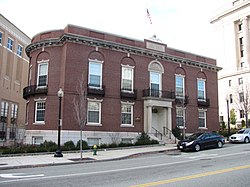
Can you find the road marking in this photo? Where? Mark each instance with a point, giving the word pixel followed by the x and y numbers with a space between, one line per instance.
pixel 19 175
pixel 203 156
pixel 192 176
pixel 116 170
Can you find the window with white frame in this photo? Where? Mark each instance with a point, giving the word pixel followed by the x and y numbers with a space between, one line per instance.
pixel 40 112
pixel 241 96
pixel 180 117
pixel 10 44
pixel 1 37
pixel 201 89
pixel 127 78
pixel 179 86
pixel 14 112
pixel 93 141
pixel 202 118
pixel 94 112
pixel 19 50
pixel 95 74
pixel 4 119
pixel 127 114
pixel 240 80
pixel 37 140
pixel 42 77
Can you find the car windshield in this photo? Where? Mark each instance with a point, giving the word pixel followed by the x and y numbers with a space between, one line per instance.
pixel 194 136
pixel 243 131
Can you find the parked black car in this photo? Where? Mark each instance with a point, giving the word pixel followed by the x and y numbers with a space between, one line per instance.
pixel 202 140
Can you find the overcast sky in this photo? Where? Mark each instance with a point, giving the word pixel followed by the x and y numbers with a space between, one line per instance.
pixel 181 24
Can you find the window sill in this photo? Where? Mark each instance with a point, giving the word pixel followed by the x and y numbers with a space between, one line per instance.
pixel 94 124
pixel 127 125
pixel 205 128
pixel 39 123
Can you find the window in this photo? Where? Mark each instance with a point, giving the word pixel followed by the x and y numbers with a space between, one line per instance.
pixel 1 38
pixel 242 64
pixel 241 53
pixel 180 117
pixel 231 98
pixel 94 112
pixel 202 119
pixel 155 84
pixel 19 50
pixel 241 97
pixel 179 86
pixel 10 44
pixel 95 74
pixel 37 140
pixel 241 40
pixel 240 80
pixel 240 27
pixel 241 113
pixel 201 89
pixel 4 119
pixel 127 114
pixel 230 83
pixel 14 112
pixel 40 112
pixel 127 78
pixel 42 74
pixel 93 141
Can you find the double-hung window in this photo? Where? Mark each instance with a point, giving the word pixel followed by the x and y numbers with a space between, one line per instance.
pixel 201 90
pixel 180 117
pixel 19 50
pixel 14 112
pixel 40 112
pixel 127 78
pixel 1 37
pixel 10 44
pixel 95 74
pixel 127 114
pixel 241 96
pixel 94 112
pixel 155 84
pixel 4 119
pixel 179 86
pixel 202 118
pixel 42 77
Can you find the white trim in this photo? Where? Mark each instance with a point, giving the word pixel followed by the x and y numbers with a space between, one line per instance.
pixel 42 61
pixel 132 78
pixel 157 62
pixel 96 62
pixel 183 82
pixel 39 66
pixel 205 117
pixel 100 112
pixel 39 122
pixel 131 104
pixel 200 79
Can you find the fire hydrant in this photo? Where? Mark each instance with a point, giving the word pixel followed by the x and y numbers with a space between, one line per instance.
pixel 94 149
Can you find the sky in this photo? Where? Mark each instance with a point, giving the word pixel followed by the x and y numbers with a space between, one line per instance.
pixel 181 24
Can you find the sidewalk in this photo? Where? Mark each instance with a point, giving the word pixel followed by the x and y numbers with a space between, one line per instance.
pixel 73 158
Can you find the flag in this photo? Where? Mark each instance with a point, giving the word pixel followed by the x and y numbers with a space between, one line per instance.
pixel 149 17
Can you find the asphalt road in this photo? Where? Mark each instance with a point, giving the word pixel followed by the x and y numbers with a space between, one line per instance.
pixel 228 166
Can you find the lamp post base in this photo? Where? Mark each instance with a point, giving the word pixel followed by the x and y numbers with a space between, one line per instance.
pixel 58 153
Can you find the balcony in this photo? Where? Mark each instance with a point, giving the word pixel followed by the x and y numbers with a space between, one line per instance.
pixel 33 90
pixel 96 90
pixel 181 101
pixel 158 94
pixel 125 94
pixel 202 102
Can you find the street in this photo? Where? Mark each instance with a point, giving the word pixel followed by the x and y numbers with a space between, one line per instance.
pixel 228 166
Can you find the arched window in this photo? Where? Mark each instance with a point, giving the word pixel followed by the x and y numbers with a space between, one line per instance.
pixel 156 70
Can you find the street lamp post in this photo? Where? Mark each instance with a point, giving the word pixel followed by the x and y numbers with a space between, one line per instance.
pixel 58 152
pixel 228 118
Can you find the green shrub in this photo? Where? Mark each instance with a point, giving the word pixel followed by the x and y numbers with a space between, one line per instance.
pixel 144 139
pixel 69 145
pixel 84 145
pixel 125 144
pixel 177 133
pixel 104 146
pixel 113 145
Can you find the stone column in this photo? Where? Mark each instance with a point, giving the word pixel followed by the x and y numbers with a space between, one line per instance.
pixel 149 119
pixel 246 40
pixel 169 119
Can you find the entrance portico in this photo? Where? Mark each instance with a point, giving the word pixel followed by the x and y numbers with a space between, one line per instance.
pixel 157 115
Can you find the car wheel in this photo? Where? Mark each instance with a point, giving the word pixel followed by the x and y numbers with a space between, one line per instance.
pixel 246 140
pixel 197 147
pixel 219 144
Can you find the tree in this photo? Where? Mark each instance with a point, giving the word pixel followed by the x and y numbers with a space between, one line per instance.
pixel 80 107
pixel 242 100
pixel 233 117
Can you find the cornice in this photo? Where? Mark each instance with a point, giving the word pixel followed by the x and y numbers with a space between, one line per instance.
pixel 117 47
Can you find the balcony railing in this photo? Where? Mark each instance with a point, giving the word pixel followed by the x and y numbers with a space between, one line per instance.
pixel 125 94
pixel 158 94
pixel 94 90
pixel 203 102
pixel 180 100
pixel 34 89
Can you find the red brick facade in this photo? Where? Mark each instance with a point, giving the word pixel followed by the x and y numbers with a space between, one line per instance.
pixel 68 52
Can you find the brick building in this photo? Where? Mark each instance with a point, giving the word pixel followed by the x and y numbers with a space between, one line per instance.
pixel 132 86
pixel 14 67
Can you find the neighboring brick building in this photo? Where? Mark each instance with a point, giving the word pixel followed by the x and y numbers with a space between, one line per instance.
pixel 132 86
pixel 14 68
